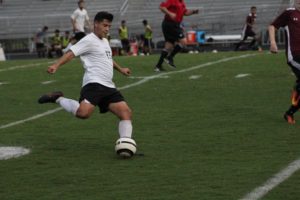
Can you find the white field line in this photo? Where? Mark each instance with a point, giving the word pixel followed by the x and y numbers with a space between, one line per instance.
pixel 12 152
pixel 242 75
pixel 144 80
pixel 270 184
pixel 193 77
pixel 142 77
pixel 47 82
pixel 49 112
pixel 24 66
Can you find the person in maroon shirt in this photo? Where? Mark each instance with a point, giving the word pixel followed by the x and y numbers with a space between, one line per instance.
pixel 174 11
pixel 248 29
pixel 290 20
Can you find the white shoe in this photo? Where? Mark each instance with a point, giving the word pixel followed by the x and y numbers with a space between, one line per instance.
pixel 156 69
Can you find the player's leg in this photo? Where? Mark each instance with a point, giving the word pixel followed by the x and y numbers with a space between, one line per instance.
pixel 178 47
pixel 164 53
pixel 244 36
pixel 178 35
pixel 123 112
pixel 85 109
pixel 167 29
pixel 295 98
pixel 253 41
pixel 82 110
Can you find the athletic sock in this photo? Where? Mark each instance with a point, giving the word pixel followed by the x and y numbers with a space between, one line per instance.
pixel 125 129
pixel 163 55
pixel 69 105
pixel 176 49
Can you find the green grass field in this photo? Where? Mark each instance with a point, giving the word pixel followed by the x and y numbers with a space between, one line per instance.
pixel 206 134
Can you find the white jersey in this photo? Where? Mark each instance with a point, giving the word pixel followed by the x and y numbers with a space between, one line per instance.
pixel 80 16
pixel 96 56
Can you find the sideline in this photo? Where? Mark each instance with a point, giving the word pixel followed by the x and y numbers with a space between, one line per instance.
pixel 144 80
pixel 271 183
pixel 25 66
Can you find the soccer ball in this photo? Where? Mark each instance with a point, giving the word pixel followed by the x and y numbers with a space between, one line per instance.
pixel 125 147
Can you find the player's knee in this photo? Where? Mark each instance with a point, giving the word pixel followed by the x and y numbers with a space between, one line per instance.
pixel 83 114
pixel 125 114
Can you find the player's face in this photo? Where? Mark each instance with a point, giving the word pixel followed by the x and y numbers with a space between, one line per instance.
pixel 102 28
pixel 253 10
pixel 81 5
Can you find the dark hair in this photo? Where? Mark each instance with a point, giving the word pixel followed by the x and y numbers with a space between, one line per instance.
pixel 145 22
pixel 123 22
pixel 253 7
pixel 100 16
pixel 80 1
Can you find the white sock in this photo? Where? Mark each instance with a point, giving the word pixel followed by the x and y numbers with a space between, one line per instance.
pixel 125 129
pixel 69 105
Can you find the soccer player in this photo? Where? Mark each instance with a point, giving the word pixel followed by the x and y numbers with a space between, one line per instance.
pixel 248 29
pixel 174 11
pixel 79 18
pixel 98 88
pixel 290 20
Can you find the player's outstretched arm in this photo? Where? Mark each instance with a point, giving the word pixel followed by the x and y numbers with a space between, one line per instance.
pixel 62 60
pixel 273 45
pixel 122 70
pixel 191 12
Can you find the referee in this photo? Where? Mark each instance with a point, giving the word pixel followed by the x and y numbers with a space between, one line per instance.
pixel 174 11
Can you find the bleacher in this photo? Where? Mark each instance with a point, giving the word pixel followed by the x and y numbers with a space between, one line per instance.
pixel 21 19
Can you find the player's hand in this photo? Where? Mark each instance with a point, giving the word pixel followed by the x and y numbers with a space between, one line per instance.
pixel 126 71
pixel 52 69
pixel 172 15
pixel 196 11
pixel 273 48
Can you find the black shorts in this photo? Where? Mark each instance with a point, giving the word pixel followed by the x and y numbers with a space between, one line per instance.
pixel 40 46
pixel 100 95
pixel 125 44
pixel 248 33
pixel 147 42
pixel 172 31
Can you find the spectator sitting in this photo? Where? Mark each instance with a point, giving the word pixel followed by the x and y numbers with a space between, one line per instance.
pixel 78 36
pixel 65 39
pixel 56 45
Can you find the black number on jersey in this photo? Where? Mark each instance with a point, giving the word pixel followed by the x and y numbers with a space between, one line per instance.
pixel 108 54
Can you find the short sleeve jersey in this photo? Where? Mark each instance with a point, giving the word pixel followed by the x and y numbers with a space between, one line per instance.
pixel 251 18
pixel 175 6
pixel 96 56
pixel 80 16
pixel 290 20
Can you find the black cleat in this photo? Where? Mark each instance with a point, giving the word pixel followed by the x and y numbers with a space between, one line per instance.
pixel 170 62
pixel 50 97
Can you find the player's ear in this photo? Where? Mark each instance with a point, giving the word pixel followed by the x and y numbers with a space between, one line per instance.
pixel 96 24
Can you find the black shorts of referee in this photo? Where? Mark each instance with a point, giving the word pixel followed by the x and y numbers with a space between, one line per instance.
pixel 172 31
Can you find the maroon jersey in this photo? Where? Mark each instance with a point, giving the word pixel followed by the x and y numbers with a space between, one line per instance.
pixel 290 20
pixel 250 20
pixel 175 6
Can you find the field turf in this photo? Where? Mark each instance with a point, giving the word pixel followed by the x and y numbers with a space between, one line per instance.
pixel 205 134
